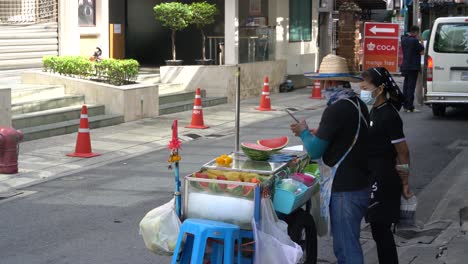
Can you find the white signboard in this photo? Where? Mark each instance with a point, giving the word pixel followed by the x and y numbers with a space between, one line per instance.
pixel 117 28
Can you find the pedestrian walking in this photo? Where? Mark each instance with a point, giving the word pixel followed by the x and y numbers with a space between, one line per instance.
pixel 388 159
pixel 413 48
pixel 339 144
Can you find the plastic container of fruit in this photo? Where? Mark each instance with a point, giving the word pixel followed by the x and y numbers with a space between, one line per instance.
pixel 232 186
pixel 305 178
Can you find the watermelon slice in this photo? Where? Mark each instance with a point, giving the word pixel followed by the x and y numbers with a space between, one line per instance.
pixel 235 189
pixel 203 185
pixel 248 191
pixel 274 143
pixel 256 151
pixel 222 186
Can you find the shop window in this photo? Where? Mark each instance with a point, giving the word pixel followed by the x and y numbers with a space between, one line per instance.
pixel 300 20
pixel 87 13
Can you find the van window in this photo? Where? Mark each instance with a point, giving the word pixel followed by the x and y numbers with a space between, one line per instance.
pixel 451 38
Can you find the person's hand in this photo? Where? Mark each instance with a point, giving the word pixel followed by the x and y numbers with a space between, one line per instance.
pixel 406 191
pixel 418 36
pixel 313 131
pixel 297 128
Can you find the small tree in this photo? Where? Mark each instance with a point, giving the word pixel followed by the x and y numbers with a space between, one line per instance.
pixel 203 14
pixel 174 15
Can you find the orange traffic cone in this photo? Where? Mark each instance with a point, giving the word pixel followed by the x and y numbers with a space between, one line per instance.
pixel 316 90
pixel 83 141
pixel 197 113
pixel 265 104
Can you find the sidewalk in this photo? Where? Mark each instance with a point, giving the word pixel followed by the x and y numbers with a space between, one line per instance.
pixel 45 159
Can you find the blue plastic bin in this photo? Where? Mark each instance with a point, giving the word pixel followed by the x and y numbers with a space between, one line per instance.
pixel 286 202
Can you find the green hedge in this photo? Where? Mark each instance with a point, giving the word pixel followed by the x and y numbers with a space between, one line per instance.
pixel 117 72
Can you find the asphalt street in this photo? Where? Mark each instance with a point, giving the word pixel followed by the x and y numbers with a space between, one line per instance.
pixel 93 216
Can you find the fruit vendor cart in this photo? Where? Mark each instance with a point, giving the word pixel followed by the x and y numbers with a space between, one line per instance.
pixel 231 193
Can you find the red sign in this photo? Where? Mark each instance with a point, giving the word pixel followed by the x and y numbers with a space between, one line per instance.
pixel 381 44
pixel 381 30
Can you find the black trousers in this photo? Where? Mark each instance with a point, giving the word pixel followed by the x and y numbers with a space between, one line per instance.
pixel 409 86
pixel 386 248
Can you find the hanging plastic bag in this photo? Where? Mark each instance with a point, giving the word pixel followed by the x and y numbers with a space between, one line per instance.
pixel 272 242
pixel 321 223
pixel 407 210
pixel 160 228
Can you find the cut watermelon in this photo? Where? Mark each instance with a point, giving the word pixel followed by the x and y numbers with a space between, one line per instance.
pixel 256 151
pixel 274 143
pixel 235 189
pixel 203 185
pixel 248 191
pixel 222 185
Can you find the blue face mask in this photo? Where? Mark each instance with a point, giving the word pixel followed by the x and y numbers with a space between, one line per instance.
pixel 366 97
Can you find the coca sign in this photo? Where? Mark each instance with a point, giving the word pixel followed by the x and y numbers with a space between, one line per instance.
pixel 381 46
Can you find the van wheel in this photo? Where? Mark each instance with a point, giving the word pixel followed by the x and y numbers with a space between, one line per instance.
pixel 438 109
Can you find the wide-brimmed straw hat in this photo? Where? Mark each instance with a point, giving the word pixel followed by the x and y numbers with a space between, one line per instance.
pixel 333 68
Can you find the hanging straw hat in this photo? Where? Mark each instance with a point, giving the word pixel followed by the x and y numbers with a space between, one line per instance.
pixel 333 68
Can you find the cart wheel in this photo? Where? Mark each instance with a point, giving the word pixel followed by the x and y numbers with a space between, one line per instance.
pixel 301 229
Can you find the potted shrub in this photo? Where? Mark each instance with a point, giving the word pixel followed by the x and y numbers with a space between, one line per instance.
pixel 176 16
pixel 203 14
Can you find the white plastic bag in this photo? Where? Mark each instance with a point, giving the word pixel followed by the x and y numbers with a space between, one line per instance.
pixel 272 242
pixel 321 223
pixel 408 210
pixel 160 228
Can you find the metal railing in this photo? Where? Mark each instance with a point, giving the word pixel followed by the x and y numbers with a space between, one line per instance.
pixel 216 49
pixel 28 11
pixel 255 44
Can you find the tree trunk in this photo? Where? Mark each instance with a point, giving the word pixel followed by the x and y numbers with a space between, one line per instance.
pixel 173 45
pixel 203 44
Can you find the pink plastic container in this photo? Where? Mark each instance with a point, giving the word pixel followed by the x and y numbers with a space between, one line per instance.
pixel 307 180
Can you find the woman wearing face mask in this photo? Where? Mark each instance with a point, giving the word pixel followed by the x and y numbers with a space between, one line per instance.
pixel 388 159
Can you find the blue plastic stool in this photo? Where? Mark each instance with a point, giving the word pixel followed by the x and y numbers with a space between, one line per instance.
pixel 201 230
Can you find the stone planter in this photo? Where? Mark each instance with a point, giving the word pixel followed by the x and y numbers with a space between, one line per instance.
pixel 220 80
pixel 174 62
pixel 133 101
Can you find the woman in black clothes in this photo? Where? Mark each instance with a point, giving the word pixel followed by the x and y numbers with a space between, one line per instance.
pixel 388 159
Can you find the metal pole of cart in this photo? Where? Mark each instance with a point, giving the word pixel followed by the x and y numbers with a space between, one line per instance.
pixel 237 144
pixel 174 146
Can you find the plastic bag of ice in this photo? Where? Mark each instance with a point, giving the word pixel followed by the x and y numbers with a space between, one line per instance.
pixel 227 209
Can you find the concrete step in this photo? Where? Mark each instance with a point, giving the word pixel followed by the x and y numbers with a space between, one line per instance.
pixel 68 127
pixel 153 78
pixel 181 106
pixel 41 105
pixel 170 88
pixel 28 92
pixel 178 97
pixel 54 116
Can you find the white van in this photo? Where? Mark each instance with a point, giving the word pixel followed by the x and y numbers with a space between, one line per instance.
pixel 445 73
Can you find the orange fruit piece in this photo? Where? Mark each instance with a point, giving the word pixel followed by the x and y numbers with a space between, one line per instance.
pixel 255 180
pixel 220 161
pixel 228 160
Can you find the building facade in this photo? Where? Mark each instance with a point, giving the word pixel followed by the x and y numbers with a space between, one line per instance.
pixel 251 31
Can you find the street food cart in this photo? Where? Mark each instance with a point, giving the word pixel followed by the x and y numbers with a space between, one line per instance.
pixel 232 193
